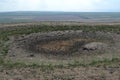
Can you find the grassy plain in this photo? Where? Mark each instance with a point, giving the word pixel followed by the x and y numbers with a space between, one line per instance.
pixel 103 69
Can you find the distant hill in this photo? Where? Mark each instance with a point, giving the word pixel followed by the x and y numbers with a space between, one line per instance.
pixel 33 16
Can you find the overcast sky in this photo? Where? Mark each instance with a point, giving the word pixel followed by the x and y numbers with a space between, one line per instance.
pixel 61 5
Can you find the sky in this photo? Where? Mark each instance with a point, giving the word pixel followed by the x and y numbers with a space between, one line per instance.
pixel 60 5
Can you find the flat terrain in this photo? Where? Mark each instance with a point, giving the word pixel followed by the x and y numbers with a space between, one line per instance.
pixel 60 51
pixel 16 17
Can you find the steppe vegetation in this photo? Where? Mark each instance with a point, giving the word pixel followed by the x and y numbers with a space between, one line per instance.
pixel 60 52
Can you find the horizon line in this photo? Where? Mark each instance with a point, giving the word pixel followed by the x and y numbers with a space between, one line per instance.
pixel 57 11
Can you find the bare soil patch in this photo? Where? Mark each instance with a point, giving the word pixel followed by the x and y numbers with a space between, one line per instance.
pixel 89 73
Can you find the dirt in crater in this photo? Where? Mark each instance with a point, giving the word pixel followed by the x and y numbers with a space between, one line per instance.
pixel 61 45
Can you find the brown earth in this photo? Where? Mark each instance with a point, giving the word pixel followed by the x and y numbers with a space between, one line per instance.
pixel 80 73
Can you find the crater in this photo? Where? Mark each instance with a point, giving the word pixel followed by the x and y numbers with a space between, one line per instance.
pixel 58 47
pixel 63 43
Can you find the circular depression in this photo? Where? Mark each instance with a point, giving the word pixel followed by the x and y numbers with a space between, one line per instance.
pixel 64 42
pixel 64 45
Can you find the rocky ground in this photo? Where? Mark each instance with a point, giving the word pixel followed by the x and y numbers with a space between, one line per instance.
pixel 81 73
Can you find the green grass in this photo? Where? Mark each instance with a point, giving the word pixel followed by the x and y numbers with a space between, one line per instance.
pixel 45 28
pixel 104 62
pixel 4 51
